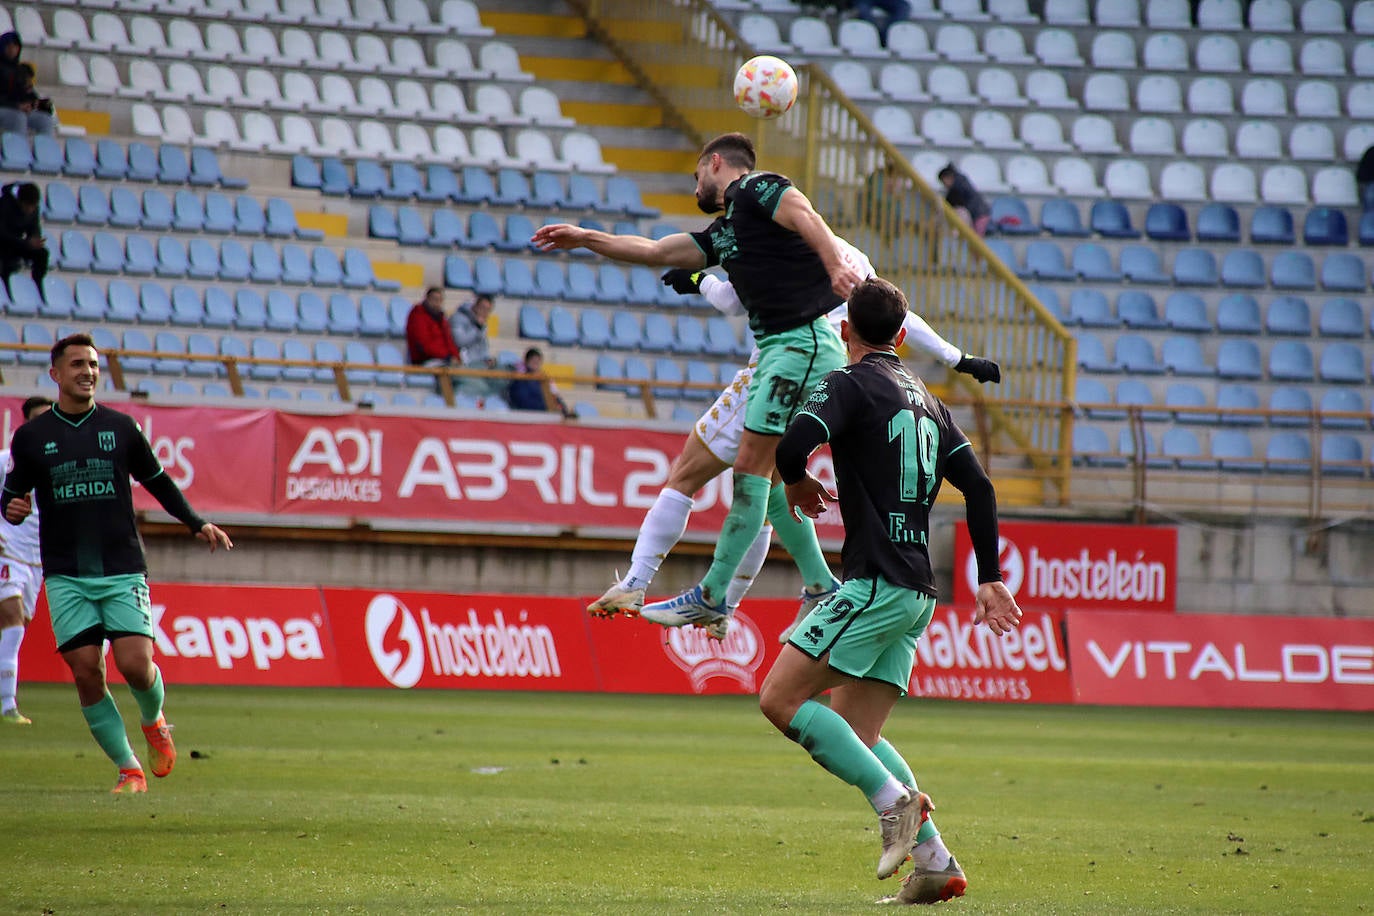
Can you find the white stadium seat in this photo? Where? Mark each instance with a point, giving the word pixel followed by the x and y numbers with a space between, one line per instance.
pixel 1283 184
pixel 958 43
pixel 222 83
pixel 1322 57
pixel 1027 175
pixel 1319 16
pixel 493 103
pixel 1218 54
pixel 375 140
pixel 184 36
pixel 1153 137
pixel 582 152
pixel 1118 14
pixel 541 106
pixel 928 165
pixel 1358 139
pixel 1094 134
pixel 298 45
pixel 901 83
pixel 223 41
pixel 762 32
pixel 1159 94
pixel 1359 101
pixel 1317 99
pixel 908 40
pixel 1182 181
pixel 501 59
pixel 950 86
pixel 260 132
pixel 1128 179
pixel 412 99
pixel 1042 132
pixel 1113 51
pixel 1362 18
pixel 415 140
pixel 1219 16
pixel 992 130
pixel 1048 89
pixel 1264 98
pixel 859 38
pixel 1258 140
pixel 1206 138
pixel 810 35
pixel 1006 46
pixel 984 172
pixel 146 121
pixel 896 124
pixel 1057 48
pixel 145 79
pixel 1168 14
pixel 462 16
pixel 535 149
pixel 338 96
pixel 220 129
pixel 1066 12
pixel 1269 55
pixel 71 71
pixel 450 103
pixel 1313 142
pixel 1106 92
pixel 1165 51
pixel 854 79
pixel 1271 16
pixel 998 87
pixel 298 134
pixel 943 127
pixel 336 135
pixel 261 88
pixel 1016 12
pixel 1233 183
pixel 335 51
pixel 1334 187
pixel 452 58
pixel 1076 177
pixel 964 10
pixel 489 145
pixel 1362 59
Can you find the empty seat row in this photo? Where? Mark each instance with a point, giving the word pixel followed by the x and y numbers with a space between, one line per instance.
pixel 1237 358
pixel 1236 313
pixel 551 278
pixel 1229 450
pixel 261 132
pixel 1235 404
pixel 667 373
pixel 202 259
pixel 1322 16
pixel 482 229
pixel 184 210
pixel 108 159
pixel 686 335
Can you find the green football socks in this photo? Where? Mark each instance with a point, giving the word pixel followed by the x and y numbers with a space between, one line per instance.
pixel 150 700
pixel 897 766
pixel 799 537
pixel 108 729
pixel 830 741
pixel 742 525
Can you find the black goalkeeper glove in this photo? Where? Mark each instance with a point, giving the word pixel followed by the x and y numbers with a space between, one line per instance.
pixel 984 370
pixel 684 281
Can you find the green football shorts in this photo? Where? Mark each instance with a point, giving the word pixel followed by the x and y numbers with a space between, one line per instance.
pixel 869 628
pixel 109 605
pixel 791 364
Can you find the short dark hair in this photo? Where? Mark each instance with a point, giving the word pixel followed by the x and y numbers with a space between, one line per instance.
pixel 28 193
pixel 71 340
pixel 483 297
pixel 735 148
pixel 34 403
pixel 947 172
pixel 876 311
pixel 533 351
pixel 433 289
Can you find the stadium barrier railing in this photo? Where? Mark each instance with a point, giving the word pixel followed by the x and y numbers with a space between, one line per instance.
pixel 871 194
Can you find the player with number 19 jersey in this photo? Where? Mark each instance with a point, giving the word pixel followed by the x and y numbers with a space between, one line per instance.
pixel 886 515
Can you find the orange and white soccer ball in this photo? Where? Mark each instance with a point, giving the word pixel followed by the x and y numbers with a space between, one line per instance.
pixel 765 86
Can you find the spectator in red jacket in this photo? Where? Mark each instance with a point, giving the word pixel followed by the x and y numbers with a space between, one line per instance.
pixel 429 339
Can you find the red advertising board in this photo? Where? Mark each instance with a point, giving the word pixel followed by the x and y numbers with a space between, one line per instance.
pixel 1222 660
pixel 218 634
pixel 956 660
pixel 1062 565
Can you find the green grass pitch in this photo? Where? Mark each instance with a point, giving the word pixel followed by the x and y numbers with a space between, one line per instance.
pixel 314 801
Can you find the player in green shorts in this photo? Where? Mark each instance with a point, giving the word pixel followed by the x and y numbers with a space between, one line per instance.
pixel 77 459
pixel 892 443
pixel 788 272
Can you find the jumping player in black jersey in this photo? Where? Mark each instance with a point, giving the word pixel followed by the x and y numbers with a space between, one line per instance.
pixel 788 272
pixel 893 443
pixel 77 459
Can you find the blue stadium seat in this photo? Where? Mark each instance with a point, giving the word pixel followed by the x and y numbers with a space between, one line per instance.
pixel 1343 272
pixel 361 363
pixel 518 279
pixel 546 191
pixel 1011 217
pixel 689 336
pixel 636 369
pixel 250 219
pixel 123 302
pixel 264 263
pixel 626 333
pixel 1238 358
pixel 668 372
pixel 1093 262
pixel 381 222
pixel 622 194
pixel 1271 225
pixel 1366 227
pixel 512 188
pixel 312 315
pixel 1218 223
pixel 1126 447
pixel 334 177
pixel 24 297
pixel 75 252
pixel 1045 261
pixel 39 335
pixel 205 170
pixel 478 186
pixel 1183 395
pixel 583 193
pixel 658 333
pixel 1002 250
pixel 1343 363
pixel 720 337
pixel 1092 448
pixel 343 315
pixel 389 362
pixel 516 236
pixel 8 335
pixel 1111 219
pixel 234 263
pixel 1288 453
pixel 1136 309
pixel 59 203
pixel 1180 446
pixel 1291 406
pixel 298 350
pixel 1293 270
pixel 1047 297
pixel 305 172
pixel 406 182
pixel 1335 400
pixel 369 179
pixel 186 213
pixel 1089 308
pixel 440 185
pixel 550 280
pixel 1289 315
pixel 265 348
pixel 78 158
pixel 373 319
pixel 58 301
pixel 91 304
pixel 136 339
pixel 1195 267
pixel 202 260
pixel 581 282
pixel 1141 264
pixel 169 344
pixel 172 165
pixel 47 155
pixel 250 312
pixel 608 367
pixel 1132 392
pixel 700 373
pixel 111 163
pixel 1242 268
pixel 485 276
pixel 1232 399
pixel 1092 394
pixel 325 267
pixel 1092 354
pixel 1341 318
pixel 1234 451
pixel 483 231
pixel 92 206
pixel 1325 226
pixel 128 212
pixel 281 311
pixel 172 260
pixel 187 310
pixel 1291 361
pixel 1238 313
pixel 1060 217
pixel 1184 356
pixel 1342 456
pixel 1166 222
pixel 446 230
pixel 593 329
pixel 142 162
pixel 533 325
pixel 410 227
pixel 16 153
pixel 611 285
pixel 140 258
pixel 201 345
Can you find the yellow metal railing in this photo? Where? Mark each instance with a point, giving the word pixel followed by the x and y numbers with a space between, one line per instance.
pixel 686 54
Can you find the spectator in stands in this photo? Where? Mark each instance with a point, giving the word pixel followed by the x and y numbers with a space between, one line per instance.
pixel 886 201
pixel 429 339
pixel 21 109
pixel 21 234
pixel 528 393
pixel 960 194
pixel 882 13
pixel 469 326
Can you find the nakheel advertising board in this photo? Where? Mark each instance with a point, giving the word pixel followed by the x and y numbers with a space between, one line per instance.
pixel 1072 566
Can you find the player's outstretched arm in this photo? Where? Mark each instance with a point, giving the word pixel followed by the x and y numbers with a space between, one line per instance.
pixel 676 250
pixel 215 536
pixel 796 213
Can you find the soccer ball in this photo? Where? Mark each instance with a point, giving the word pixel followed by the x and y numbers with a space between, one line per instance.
pixel 765 86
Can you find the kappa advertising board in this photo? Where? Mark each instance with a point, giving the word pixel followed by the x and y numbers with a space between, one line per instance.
pixel 1064 565
pixel 1222 661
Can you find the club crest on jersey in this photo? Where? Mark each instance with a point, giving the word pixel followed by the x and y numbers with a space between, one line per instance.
pixel 106 440
pixel 50 448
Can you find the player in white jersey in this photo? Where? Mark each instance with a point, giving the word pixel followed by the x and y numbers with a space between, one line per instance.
pixel 21 576
pixel 710 450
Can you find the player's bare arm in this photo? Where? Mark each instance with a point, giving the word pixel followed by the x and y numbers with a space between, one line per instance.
pixel 677 250
pixel 215 536
pixel 996 608
pixel 796 213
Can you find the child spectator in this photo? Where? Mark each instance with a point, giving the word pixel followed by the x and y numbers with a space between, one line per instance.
pixel 960 194
pixel 528 393
pixel 21 234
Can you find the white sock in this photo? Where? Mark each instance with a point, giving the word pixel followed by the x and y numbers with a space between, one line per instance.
pixel 888 794
pixel 749 567
pixel 10 638
pixel 663 526
pixel 931 854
